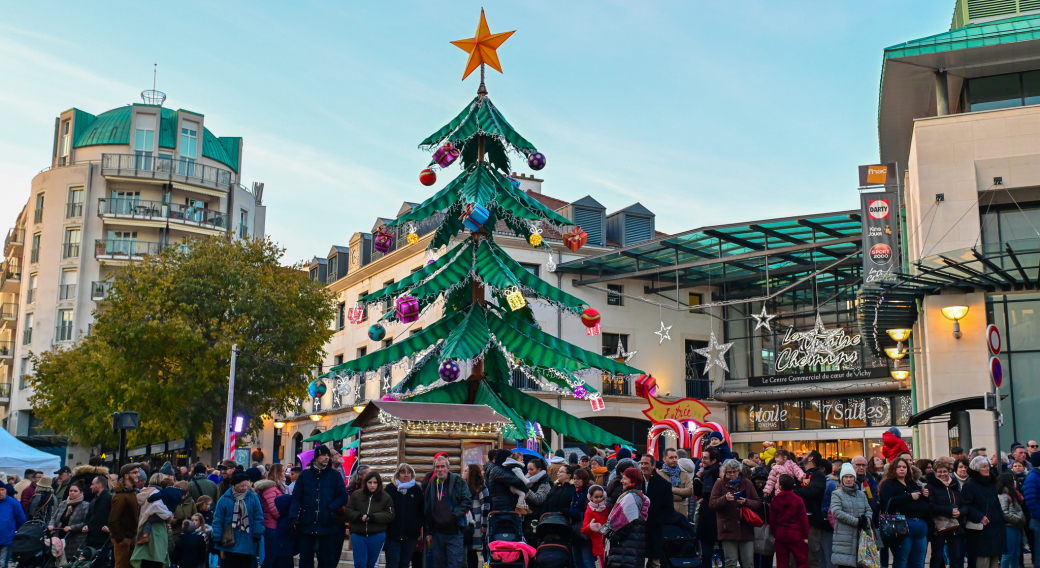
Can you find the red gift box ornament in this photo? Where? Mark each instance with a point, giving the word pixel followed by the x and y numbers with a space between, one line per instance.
pixel 575 239
pixel 445 155
pixel 407 309
pixel 646 385
pixel 383 240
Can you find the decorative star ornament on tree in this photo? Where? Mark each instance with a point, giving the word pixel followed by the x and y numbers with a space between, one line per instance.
pixel 481 47
pixel 715 353
pixel 763 319
pixel 622 354
pixel 663 333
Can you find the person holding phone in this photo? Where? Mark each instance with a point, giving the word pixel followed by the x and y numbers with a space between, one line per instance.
pixel 901 495
pixel 729 495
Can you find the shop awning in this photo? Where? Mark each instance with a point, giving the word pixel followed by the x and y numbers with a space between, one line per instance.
pixel 339 432
pixel 969 403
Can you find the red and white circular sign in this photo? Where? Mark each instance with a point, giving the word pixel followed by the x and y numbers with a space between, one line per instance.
pixel 993 338
pixel 878 209
pixel 881 253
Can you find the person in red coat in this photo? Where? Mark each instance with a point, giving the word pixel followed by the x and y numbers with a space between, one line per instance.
pixel 595 518
pixel 789 525
pixel 893 444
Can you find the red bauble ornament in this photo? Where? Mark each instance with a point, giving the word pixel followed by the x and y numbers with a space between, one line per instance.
pixel 590 317
pixel 427 177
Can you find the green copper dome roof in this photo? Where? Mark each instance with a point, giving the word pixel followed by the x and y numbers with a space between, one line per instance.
pixel 113 127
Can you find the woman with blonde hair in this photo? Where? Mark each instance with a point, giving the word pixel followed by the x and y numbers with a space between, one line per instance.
pixel 269 489
pixel 409 505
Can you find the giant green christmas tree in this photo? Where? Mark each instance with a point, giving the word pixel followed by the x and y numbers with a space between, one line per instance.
pixel 488 335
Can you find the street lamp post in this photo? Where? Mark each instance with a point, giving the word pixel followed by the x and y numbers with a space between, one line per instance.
pixel 121 422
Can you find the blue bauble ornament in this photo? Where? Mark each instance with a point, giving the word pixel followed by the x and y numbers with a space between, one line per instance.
pixel 317 388
pixel 376 332
pixel 450 371
pixel 536 161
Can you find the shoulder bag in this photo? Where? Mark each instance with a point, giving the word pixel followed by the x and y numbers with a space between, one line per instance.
pixel 892 527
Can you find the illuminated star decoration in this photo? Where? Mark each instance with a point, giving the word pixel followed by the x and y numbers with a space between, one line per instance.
pixel 622 354
pixel 481 47
pixel 663 333
pixel 824 343
pixel 715 352
pixel 763 319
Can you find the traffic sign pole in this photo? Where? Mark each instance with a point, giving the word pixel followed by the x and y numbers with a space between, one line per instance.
pixel 996 372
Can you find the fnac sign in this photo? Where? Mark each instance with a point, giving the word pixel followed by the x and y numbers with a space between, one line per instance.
pixel 877 174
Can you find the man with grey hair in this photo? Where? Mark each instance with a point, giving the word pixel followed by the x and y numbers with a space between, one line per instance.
pixel 447 501
pixel 867 483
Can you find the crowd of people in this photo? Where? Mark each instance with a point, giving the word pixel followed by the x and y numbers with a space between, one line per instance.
pixel 773 506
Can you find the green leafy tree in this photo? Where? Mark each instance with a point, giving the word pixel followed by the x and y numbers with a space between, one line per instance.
pixel 491 337
pixel 162 345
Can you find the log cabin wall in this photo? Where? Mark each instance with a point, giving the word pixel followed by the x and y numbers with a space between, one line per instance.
pixel 379 449
pixel 383 448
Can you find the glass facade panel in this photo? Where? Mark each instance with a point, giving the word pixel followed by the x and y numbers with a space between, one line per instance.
pixel 1031 87
pixel 812 413
pixel 904 409
pixel 1001 91
pixel 879 411
pixel 794 416
pixel 857 413
pixel 833 409
pixel 1023 325
pixel 743 418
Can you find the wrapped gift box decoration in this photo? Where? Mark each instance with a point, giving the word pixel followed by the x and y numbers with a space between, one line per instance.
pixel 383 240
pixel 407 309
pixel 575 239
pixel 646 385
pixel 474 217
pixel 445 155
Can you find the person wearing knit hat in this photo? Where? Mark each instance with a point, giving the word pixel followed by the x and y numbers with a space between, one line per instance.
pixel 252 474
pixel 167 469
pixel 851 511
pixel 768 453
pixel 893 445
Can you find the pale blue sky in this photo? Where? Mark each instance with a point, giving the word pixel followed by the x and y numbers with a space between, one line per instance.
pixel 705 112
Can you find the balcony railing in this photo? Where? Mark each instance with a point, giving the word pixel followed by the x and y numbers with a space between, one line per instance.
pixel 12 268
pixel 27 336
pixel 30 295
pixel 10 276
pixel 38 215
pixel 150 167
pixel 616 386
pixel 63 332
pixel 9 311
pixel 243 231
pixel 99 290
pixel 66 291
pixel 698 388
pixel 70 250
pixel 522 382
pixel 6 349
pixel 34 255
pixel 119 249
pixel 73 209
pixel 15 237
pixel 5 390
pixel 129 208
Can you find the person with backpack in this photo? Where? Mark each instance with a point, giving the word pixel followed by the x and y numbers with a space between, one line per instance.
pixel 43 503
pixel 11 518
pixel 201 485
pixel 123 516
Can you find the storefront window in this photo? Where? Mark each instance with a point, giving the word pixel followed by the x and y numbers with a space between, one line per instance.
pixel 743 417
pixel 857 413
pixel 832 413
pixel 904 409
pixel 848 449
pixel 875 447
pixel 879 411
pixel 794 415
pixel 835 416
pixel 768 416
pixel 813 414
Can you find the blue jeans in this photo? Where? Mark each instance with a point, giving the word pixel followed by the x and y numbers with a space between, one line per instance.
pixel 399 552
pixel 912 548
pixel 583 556
pixel 447 550
pixel 5 555
pixel 367 549
pixel 1034 525
pixel 1014 543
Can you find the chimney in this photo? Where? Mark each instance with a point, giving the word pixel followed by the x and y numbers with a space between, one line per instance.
pixel 529 182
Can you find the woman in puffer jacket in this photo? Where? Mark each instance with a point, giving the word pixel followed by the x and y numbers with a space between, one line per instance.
pixel 626 526
pixel 268 490
pixel 784 463
pixel 851 511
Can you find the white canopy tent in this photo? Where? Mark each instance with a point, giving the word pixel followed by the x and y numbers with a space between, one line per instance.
pixel 16 457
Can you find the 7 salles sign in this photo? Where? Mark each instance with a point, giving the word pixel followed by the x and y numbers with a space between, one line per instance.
pixel 879 215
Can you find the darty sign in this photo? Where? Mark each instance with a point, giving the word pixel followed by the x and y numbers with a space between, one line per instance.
pixel 880 216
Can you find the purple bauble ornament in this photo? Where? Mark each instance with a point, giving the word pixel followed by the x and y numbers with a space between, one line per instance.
pixel 450 371
pixel 536 161
pixel 580 392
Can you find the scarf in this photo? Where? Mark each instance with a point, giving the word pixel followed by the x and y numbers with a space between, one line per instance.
pixel 240 516
pixel 673 474
pixel 736 482
pixel 630 507
pixel 598 507
pixel 534 478
pixel 404 486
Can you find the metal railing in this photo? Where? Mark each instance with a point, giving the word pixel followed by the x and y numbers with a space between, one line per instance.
pixel 30 295
pixel 66 291
pixel 14 237
pixel 38 215
pixel 698 388
pixel 63 332
pixel 5 390
pixel 616 386
pixel 126 248
pixel 73 209
pixel 27 336
pixel 6 349
pixel 243 230
pixel 165 168
pixel 522 382
pixel 12 269
pixel 9 311
pixel 121 207
pixel 70 250
pixel 99 289
pixel 34 255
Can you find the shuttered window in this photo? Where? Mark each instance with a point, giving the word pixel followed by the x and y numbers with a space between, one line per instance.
pixel 637 230
pixel 590 221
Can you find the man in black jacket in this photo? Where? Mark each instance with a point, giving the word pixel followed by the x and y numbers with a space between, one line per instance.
pixel 707 524
pixel 319 491
pixel 500 481
pixel 811 491
pixel 447 502
pixel 659 492
pixel 97 514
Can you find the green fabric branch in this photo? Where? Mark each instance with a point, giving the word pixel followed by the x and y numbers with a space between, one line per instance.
pixel 462 254
pixel 397 351
pixel 480 117
pixel 469 339
pixel 500 327
pixel 541 288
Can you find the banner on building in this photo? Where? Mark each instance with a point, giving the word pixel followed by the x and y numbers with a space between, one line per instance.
pixel 880 214
pixel 819 377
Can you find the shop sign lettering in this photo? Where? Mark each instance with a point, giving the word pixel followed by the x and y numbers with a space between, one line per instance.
pixel 771 415
pixel 818 346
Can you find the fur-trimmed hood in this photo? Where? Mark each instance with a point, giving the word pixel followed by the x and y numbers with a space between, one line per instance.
pixel 263 485
pixel 90 470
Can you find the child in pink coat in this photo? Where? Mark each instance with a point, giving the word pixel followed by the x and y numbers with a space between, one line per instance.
pixel 595 517
pixel 783 463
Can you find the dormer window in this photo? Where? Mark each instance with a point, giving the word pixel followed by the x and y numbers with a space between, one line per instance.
pixel 66 144
pixel 189 143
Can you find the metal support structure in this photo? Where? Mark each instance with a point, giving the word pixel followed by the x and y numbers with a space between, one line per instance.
pixel 230 403
pixel 942 94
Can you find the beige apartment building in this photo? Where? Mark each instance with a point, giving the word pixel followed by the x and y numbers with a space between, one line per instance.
pixel 122 184
pixel 960 116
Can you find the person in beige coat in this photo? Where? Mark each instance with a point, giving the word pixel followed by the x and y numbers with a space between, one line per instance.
pixel 682 483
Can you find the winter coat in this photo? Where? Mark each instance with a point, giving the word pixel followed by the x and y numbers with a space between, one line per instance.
pixel 1013 515
pixel 790 468
pixel 286 543
pixel 245 542
pixel 614 489
pixel 500 481
pixel 628 543
pixel 191 551
pixel 537 493
pixel 787 519
pixel 122 518
pixel 457 493
pixel 183 512
pixel 268 491
pixel 84 475
pixel 25 496
pixel 201 485
pixel 898 499
pixel 942 499
pixel 595 537
pixel 317 495
pixel 559 500
pixel 812 494
pixel 979 499
pixel 11 517
pixel 730 524
pixel 42 505
pixel 848 505
pixel 97 518
pixel 767 455
pixel 157 549
pixel 893 446
pixel 681 493
pixel 708 522
pixel 409 513
pixel 380 511
pixel 77 520
pixel 1031 491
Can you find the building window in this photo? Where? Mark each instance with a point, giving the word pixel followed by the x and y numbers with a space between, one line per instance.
pixel 67 288
pixel 615 385
pixel 189 143
pixel 820 414
pixel 27 330
pixel 34 252
pixel 333 269
pixel 23 371
pixel 243 224
pixel 1003 91
pixel 359 389
pixel 341 313
pixel 698 383
pixel 38 214
pixel 70 249
pixel 30 295
pixel 144 136
pixel 614 295
pixel 65 145
pixel 63 331
pixel 74 207
pixel 532 268
pixel 695 299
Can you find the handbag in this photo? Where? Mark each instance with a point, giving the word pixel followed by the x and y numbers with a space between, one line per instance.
pixel 892 527
pixel 945 524
pixel 750 517
pixel 765 543
pixel 867 555
pixel 227 540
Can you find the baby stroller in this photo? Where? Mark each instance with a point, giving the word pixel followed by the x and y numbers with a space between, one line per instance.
pixel 88 557
pixel 680 546
pixel 30 546
pixel 504 526
pixel 554 542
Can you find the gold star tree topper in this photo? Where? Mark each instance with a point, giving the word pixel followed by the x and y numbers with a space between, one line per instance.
pixel 482 46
